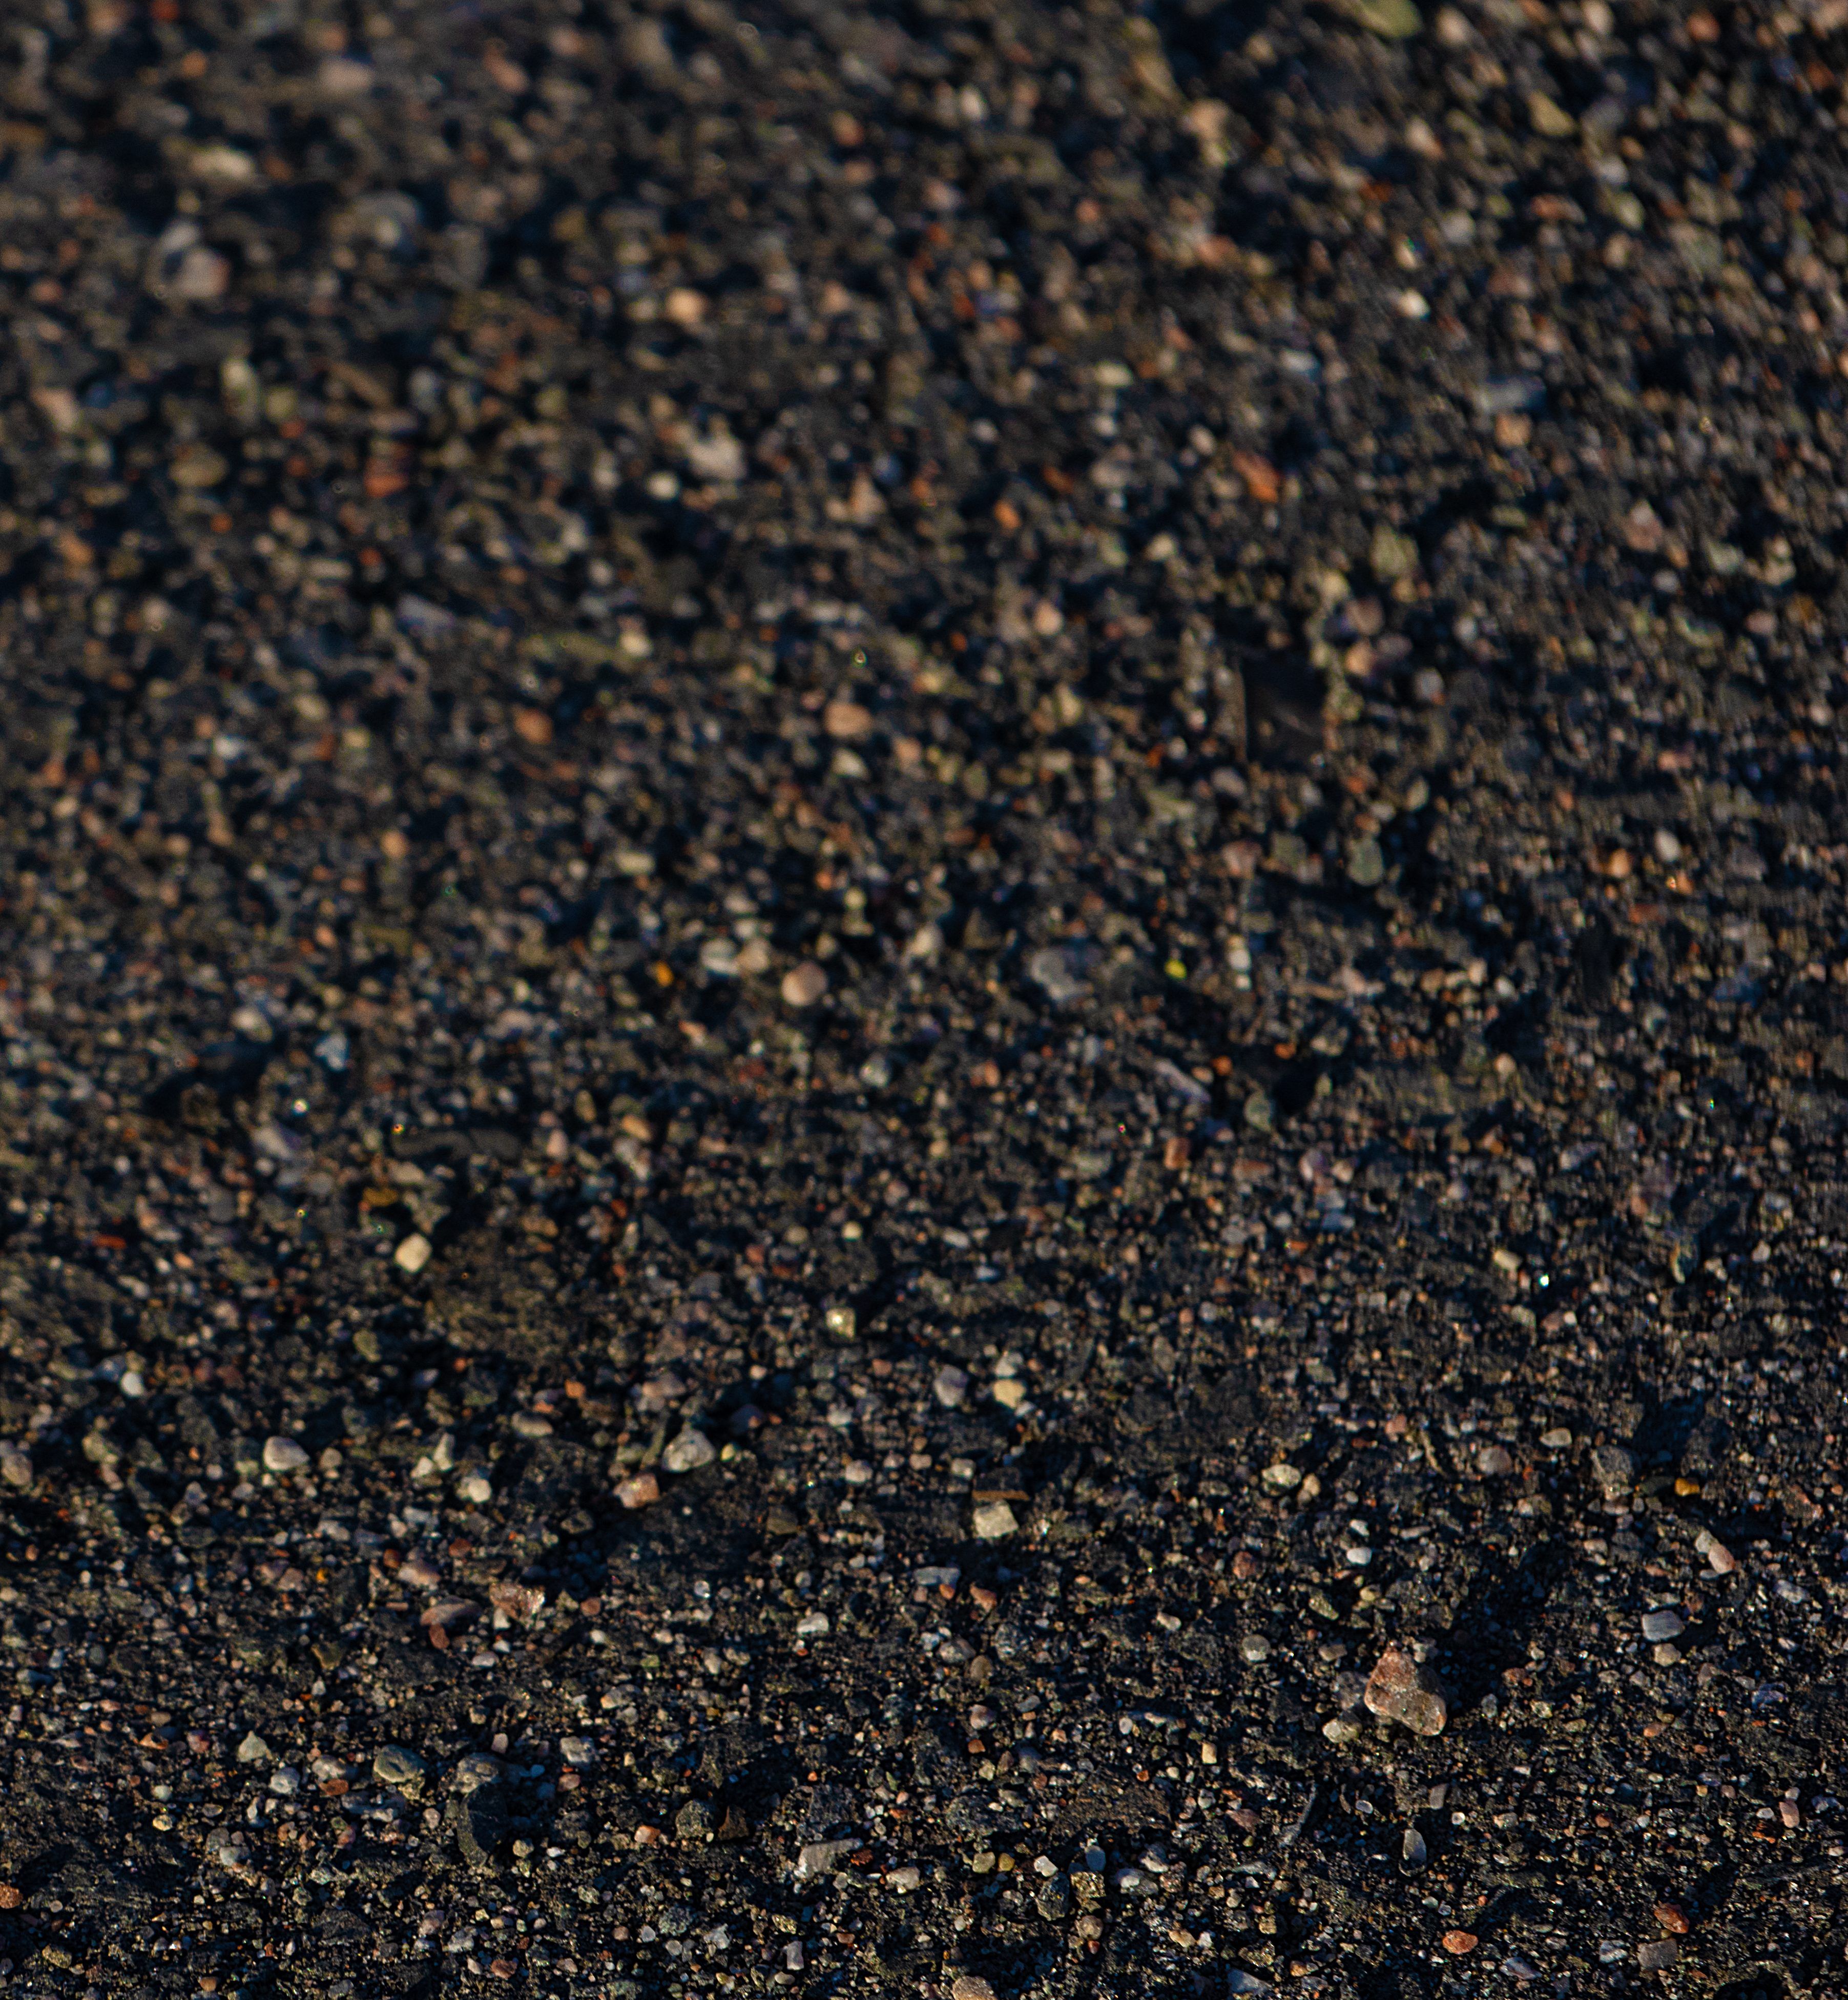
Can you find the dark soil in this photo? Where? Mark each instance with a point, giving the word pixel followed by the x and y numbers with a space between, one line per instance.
pixel 901 904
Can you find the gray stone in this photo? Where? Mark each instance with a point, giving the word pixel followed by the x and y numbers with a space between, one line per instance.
pixel 474 1770
pixel 1614 1469
pixel 1053 1902
pixel 817 1857
pixel 1660 1625
pixel 481 1824
pixel 403 1770
pixel 690 1450
pixel 283 1454
pixel 1058 971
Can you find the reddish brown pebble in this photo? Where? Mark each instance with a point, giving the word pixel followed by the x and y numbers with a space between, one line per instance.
pixel 503 1968
pixel 1244 1565
pixel 1404 1692
pixel 1672 1917
pixel 1457 1942
pixel 10 1895
pixel 647 1836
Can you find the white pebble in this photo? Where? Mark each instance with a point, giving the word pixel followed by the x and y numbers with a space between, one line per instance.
pixel 412 1254
pixel 283 1454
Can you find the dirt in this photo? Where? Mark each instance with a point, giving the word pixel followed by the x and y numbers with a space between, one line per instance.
pixel 924 1010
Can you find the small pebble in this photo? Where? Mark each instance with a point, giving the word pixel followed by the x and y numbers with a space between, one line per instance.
pixel 1614 1470
pixel 1282 1478
pixel 951 1385
pixel 846 720
pixel 403 1770
pixel 690 1450
pixel 254 1750
pixel 1660 1625
pixel 643 1490
pixel 903 1880
pixel 967 1986
pixel 1459 1943
pixel 476 1770
pixel 994 1521
pixel 283 1454
pixel 517 1600
pixel 12 1896
pixel 817 1857
pixel 16 1466
pixel 1405 1692
pixel 412 1254
pixel 1558 1439
pixel 1674 1918
pixel 1493 1461
pixel 1253 1647
pixel 804 985
pixel 1657 1955
pixel 1720 1559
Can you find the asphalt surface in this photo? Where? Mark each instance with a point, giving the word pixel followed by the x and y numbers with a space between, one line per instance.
pixel 925 1000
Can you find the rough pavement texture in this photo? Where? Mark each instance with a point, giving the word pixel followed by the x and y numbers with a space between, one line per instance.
pixel 901 904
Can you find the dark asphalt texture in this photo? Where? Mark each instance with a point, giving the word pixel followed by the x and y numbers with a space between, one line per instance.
pixel 925 999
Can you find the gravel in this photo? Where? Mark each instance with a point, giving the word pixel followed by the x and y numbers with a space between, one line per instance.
pixel 874 863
